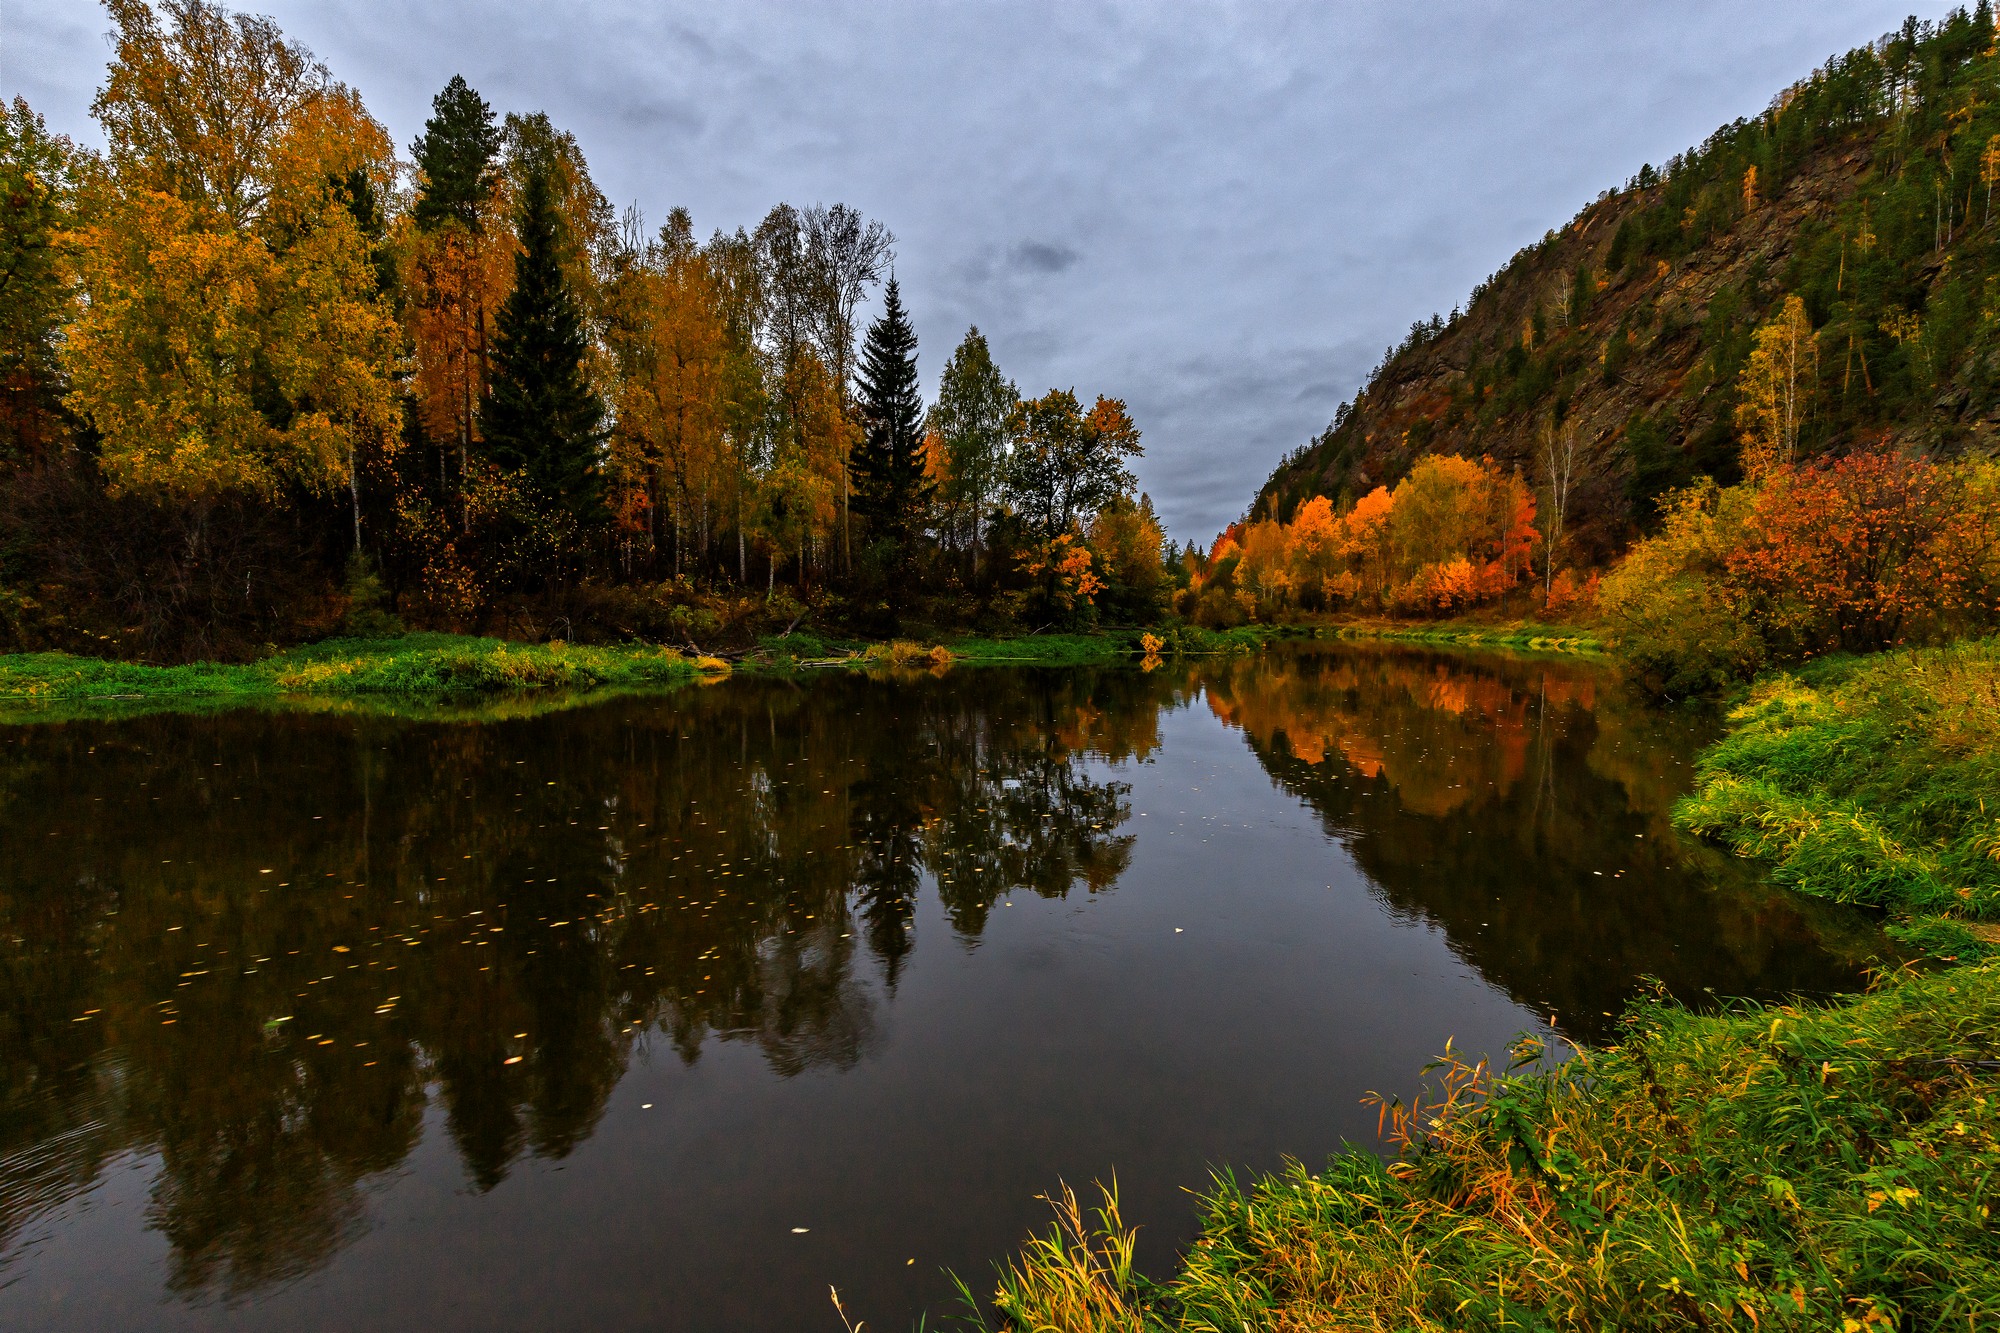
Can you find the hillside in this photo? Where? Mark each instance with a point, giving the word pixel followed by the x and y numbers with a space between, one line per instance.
pixel 1865 191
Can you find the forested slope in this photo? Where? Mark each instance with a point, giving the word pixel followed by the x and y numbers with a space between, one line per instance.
pixel 1865 191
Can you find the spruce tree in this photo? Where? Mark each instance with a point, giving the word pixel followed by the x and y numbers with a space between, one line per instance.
pixel 542 420
pixel 455 156
pixel 892 490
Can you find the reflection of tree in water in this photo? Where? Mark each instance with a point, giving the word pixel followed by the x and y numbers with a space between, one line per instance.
pixel 282 934
pixel 1523 809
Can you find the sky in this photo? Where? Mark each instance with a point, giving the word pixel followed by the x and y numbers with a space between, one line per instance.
pixel 1221 213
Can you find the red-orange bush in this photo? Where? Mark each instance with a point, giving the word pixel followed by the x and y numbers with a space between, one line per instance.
pixel 1859 552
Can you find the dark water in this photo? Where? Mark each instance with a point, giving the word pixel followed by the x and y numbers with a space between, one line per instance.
pixel 567 1021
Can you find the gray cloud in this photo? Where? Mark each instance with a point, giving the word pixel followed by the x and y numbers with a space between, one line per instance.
pixel 1043 257
pixel 1219 212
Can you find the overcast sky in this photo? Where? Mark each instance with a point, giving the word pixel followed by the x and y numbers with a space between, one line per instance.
pixel 1220 213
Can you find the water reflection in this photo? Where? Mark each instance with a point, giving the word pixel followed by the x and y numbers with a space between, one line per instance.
pixel 262 948
pixel 257 946
pixel 1522 806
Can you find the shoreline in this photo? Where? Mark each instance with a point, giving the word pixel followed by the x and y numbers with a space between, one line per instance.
pixel 1827 1164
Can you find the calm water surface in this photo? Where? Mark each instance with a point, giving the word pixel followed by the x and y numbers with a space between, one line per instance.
pixel 326 1021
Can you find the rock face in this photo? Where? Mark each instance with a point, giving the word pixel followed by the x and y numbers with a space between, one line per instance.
pixel 1863 191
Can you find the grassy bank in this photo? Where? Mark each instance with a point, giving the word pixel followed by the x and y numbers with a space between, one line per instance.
pixel 1804 1167
pixel 1520 636
pixel 445 675
pixel 1871 780
pixel 412 665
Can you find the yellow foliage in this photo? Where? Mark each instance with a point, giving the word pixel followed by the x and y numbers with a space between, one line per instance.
pixel 1777 387
pixel 232 337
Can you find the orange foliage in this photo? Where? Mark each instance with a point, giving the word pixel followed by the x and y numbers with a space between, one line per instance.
pixel 1062 565
pixel 1453 534
pixel 1847 554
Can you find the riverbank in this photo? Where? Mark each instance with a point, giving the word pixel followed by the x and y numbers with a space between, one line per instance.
pixel 397 674
pixel 1803 1166
pixel 1520 636
pixel 1871 780
pixel 1800 1167
pixel 408 664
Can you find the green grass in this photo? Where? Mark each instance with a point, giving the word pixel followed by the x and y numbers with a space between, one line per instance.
pixel 450 676
pixel 1801 1167
pixel 1871 780
pixel 430 667
pixel 1524 636
pixel 1093 649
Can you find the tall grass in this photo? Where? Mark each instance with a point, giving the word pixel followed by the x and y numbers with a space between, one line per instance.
pixel 1801 1167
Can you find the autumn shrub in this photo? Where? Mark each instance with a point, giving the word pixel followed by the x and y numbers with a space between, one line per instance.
pixel 1126 543
pixel 1667 601
pixel 1867 552
pixel 1062 583
pixel 1858 553
pixel 1568 595
pixel 1801 1167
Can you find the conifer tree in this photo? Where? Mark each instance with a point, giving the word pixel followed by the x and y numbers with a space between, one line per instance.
pixel 455 155
pixel 542 419
pixel 892 490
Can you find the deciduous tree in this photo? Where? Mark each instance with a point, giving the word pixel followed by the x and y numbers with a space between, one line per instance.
pixel 972 415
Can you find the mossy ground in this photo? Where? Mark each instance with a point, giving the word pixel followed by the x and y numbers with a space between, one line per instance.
pixel 1518 636
pixel 450 675
pixel 432 667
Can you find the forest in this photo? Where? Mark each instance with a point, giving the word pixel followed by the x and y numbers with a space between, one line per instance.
pixel 1740 412
pixel 266 380
pixel 269 382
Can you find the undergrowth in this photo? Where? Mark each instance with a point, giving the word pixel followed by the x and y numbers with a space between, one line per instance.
pixel 1800 1167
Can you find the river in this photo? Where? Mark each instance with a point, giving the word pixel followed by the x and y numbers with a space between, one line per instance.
pixel 672 1012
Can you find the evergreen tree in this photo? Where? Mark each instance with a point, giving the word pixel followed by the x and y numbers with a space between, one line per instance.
pixel 892 490
pixel 455 156
pixel 542 418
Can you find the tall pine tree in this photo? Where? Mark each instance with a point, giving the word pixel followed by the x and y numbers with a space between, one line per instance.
pixel 455 157
pixel 892 490
pixel 542 419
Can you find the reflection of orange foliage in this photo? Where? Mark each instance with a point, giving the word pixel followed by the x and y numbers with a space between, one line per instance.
pixel 1444 737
